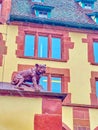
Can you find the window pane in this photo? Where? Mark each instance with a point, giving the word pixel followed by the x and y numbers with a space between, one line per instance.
pixel 29 45
pixel 56 84
pixel 43 82
pixel 36 0
pixel 43 47
pixel 56 48
pixel 42 14
pixel 96 51
pixel 97 88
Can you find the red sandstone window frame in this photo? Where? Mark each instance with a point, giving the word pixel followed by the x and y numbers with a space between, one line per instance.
pixel 91 38
pixel 66 44
pixel 94 78
pixel 49 36
pixel 3 49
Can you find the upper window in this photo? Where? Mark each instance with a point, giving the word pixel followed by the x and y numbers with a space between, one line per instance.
pixel 43 14
pixel 56 48
pixel 94 16
pixel 87 4
pixel 29 45
pixel 43 47
pixel 43 44
pixel 37 0
pixel 92 41
pixel 95 47
pixel 42 10
pixel 46 48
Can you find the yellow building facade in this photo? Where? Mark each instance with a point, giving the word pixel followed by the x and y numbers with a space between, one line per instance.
pixel 77 69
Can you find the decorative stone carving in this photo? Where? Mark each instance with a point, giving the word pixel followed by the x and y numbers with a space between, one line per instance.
pixel 30 77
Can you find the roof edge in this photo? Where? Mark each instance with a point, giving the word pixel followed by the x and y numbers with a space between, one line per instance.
pixel 53 22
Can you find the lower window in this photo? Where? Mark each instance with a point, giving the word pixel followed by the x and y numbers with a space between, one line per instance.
pixel 54 82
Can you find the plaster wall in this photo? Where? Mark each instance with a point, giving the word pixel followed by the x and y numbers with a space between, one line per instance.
pixel 93 113
pixel 3 31
pixel 17 113
pixel 79 70
pixel 67 116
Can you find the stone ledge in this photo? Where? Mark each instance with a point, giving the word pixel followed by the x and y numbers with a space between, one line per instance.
pixel 6 89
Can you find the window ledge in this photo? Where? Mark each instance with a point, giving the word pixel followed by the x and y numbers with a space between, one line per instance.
pixel 94 64
pixel 37 58
pixel 6 89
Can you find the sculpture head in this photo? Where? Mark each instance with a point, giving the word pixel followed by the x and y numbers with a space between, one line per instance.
pixel 40 69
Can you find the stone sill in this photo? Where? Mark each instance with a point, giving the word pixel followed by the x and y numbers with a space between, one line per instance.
pixel 6 89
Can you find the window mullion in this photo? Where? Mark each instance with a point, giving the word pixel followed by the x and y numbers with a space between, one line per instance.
pixel 36 45
pixel 49 82
pixel 49 46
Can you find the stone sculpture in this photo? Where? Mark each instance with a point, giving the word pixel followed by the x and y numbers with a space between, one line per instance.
pixel 30 77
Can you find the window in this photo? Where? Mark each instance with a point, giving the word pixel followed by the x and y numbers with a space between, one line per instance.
pixel 42 11
pixel 95 47
pixel 94 88
pixel 37 0
pixel 55 79
pixel 29 45
pixel 42 46
pixel 94 16
pixel 56 48
pixel 43 82
pixel 43 14
pixel 95 19
pixel 97 88
pixel 88 5
pixel 92 42
pixel 55 84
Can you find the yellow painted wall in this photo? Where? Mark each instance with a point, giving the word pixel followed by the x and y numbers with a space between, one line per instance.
pixel 79 70
pixel 93 113
pixel 3 30
pixel 17 113
pixel 67 116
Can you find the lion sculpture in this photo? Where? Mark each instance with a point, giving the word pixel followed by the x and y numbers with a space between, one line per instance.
pixel 30 77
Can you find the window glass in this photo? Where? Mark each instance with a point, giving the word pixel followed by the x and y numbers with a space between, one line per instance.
pixel 43 47
pixel 88 5
pixel 36 0
pixel 97 88
pixel 56 48
pixel 43 82
pixel 95 46
pixel 29 45
pixel 56 84
pixel 43 14
pixel 96 20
